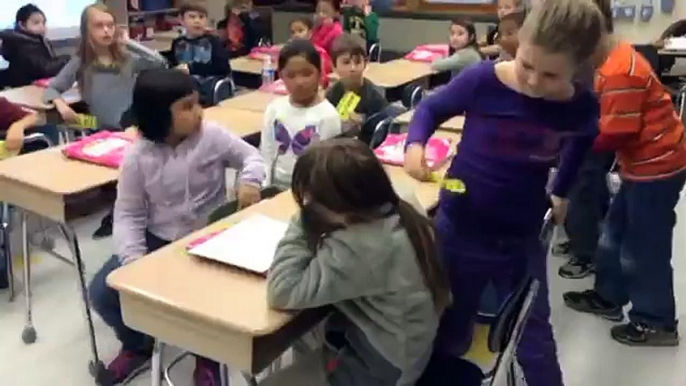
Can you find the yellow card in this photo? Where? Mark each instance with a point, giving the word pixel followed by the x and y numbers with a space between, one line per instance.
pixel 347 105
pixel 85 121
pixel 4 153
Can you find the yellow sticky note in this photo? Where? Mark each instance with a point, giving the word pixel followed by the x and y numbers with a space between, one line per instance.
pixel 454 185
pixel 347 105
pixel 4 153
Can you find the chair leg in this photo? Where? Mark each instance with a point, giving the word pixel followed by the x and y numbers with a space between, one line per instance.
pixel 157 372
pixel 5 227
pixel 224 374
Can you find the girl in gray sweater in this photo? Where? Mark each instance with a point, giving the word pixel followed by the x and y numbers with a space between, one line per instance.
pixel 463 48
pixel 356 246
pixel 104 68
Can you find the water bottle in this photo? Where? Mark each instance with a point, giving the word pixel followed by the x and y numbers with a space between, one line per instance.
pixel 267 71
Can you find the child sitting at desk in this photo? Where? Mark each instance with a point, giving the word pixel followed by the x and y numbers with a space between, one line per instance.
pixel 293 122
pixel 301 28
pixel 327 27
pixel 357 246
pixel 28 51
pixel 104 70
pixel 463 48
pixel 240 29
pixel 508 31
pixel 350 60
pixel 199 52
pixel 170 182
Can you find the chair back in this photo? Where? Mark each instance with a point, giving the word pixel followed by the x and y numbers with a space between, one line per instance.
pixel 508 328
pixel 650 52
pixel 379 125
pixel 375 52
pixel 412 95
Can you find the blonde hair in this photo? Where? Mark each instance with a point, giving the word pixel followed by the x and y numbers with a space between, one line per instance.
pixel 85 50
pixel 572 27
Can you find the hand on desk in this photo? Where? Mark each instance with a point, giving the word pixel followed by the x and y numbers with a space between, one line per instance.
pixel 247 195
pixel 66 112
pixel 415 163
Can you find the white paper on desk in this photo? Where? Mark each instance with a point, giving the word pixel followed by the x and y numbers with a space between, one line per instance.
pixel 249 245
pixel 676 44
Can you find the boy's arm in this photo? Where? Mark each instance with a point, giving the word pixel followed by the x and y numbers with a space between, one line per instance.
pixel 220 58
pixel 301 279
pixel 130 212
pixel 449 101
pixel 622 99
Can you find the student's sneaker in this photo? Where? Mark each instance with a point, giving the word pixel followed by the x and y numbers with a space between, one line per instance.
pixel 592 303
pixel 561 249
pixel 105 228
pixel 639 334
pixel 576 269
pixel 206 372
pixel 126 366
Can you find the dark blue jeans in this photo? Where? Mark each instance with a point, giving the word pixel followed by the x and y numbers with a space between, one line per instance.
pixel 634 261
pixel 106 303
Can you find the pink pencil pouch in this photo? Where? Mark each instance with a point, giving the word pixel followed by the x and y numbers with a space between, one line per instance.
pixel 103 148
pixel 427 53
pixel 392 150
pixel 42 82
pixel 259 53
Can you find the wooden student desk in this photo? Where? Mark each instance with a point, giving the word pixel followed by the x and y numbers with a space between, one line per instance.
pixel 243 123
pixel 454 124
pixel 397 73
pixel 215 310
pixel 246 65
pixel 253 101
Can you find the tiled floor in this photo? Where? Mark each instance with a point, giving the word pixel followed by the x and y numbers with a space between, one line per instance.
pixel 59 357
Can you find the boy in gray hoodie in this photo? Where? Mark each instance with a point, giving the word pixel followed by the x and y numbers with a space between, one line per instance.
pixel 360 248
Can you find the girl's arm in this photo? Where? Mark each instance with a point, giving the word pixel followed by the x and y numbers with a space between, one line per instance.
pixel 62 82
pixel 455 62
pixel 238 154
pixel 450 101
pixel 491 50
pixel 573 154
pixel 130 212
pixel 268 143
pixel 144 57
pixel 300 279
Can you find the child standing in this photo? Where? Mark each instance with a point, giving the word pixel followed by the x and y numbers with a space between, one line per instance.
pixel 327 27
pixel 199 52
pixel 520 116
pixel 463 48
pixel 360 20
pixel 301 28
pixel 293 122
pixel 357 246
pixel 170 182
pixel 633 262
pixel 28 51
pixel 350 60
pixel 105 68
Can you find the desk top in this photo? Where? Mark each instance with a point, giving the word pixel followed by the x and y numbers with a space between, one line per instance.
pixel 677 53
pixel 246 65
pixel 396 72
pixel 241 122
pixel 253 101
pixel 31 97
pixel 454 124
pixel 220 294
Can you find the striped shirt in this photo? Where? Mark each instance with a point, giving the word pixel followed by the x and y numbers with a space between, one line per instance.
pixel 637 118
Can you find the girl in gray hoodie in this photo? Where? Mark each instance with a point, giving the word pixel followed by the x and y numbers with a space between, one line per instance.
pixel 356 246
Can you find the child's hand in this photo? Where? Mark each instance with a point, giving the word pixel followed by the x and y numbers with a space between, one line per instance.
pixel 247 195
pixel 357 118
pixel 559 209
pixel 415 164
pixel 14 138
pixel 66 112
pixel 367 9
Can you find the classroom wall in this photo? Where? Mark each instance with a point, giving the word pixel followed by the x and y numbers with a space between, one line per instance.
pixel 639 32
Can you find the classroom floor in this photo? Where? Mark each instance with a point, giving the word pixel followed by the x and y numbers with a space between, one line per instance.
pixel 59 357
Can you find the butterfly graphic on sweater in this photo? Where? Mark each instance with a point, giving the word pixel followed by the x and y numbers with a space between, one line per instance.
pixel 298 143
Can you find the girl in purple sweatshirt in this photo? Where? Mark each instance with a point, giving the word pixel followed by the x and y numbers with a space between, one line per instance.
pixel 522 117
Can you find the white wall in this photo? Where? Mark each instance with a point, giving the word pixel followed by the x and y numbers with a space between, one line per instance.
pixel 640 32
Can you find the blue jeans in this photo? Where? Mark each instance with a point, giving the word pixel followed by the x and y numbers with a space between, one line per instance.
pixel 634 261
pixel 106 303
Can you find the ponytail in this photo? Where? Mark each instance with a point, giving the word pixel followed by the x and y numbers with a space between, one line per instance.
pixel 422 236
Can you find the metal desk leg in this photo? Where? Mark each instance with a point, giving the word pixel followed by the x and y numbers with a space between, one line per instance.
pixel 156 367
pixel 5 225
pixel 29 333
pixel 250 379
pixel 224 374
pixel 96 367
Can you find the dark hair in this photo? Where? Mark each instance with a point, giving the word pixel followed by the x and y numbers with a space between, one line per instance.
pixel 605 8
pixel 300 47
pixel 24 13
pixel 344 176
pixel 154 93
pixel 192 6
pixel 334 4
pixel 347 44
pixel 471 31
pixel 517 17
pixel 306 21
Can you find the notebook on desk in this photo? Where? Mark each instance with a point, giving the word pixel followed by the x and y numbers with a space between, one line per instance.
pixel 249 245
pixel 103 148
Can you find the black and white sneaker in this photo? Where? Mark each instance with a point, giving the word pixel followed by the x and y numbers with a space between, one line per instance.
pixel 591 302
pixel 640 334
pixel 576 269
pixel 561 249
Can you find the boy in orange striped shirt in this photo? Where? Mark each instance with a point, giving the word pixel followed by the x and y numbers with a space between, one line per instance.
pixel 639 122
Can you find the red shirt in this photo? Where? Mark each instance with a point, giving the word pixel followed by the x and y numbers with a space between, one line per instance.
pixel 325 33
pixel 327 65
pixel 10 113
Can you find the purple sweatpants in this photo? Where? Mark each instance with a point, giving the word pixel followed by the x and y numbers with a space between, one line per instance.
pixel 472 261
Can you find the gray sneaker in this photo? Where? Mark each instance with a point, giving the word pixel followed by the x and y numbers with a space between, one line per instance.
pixel 576 269
pixel 640 334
